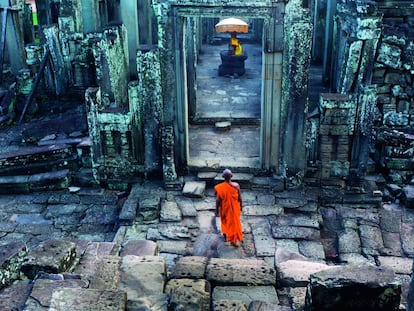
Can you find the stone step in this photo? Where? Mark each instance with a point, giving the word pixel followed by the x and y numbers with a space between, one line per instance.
pixel 247 180
pixel 54 180
pixel 37 159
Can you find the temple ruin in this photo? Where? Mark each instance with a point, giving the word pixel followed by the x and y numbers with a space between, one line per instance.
pixel 326 102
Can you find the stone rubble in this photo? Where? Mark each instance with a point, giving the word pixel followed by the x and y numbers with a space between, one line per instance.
pixel 176 258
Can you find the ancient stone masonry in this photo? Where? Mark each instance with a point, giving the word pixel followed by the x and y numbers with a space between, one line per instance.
pixel 297 46
pixel 335 136
pixel 394 76
pixel 150 94
pixel 373 53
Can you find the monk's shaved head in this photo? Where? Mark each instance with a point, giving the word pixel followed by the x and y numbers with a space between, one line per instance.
pixel 227 174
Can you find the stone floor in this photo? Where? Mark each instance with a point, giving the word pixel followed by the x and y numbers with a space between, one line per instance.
pixel 233 98
pixel 299 225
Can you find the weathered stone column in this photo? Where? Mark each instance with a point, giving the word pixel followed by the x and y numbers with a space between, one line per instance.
pixel 296 62
pixel 357 45
pixel 137 126
pixel 14 39
pixel 94 14
pixel 272 90
pixel 129 14
pixel 70 16
pixel 169 172
pixel 150 92
pixel 145 22
pixel 111 60
pixel 329 39
pixel 59 75
pixel 319 24
pixel 367 101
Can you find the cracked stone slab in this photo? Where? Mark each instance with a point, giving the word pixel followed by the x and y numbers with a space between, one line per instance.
pixel 245 294
pixel 189 294
pixel 142 275
pixel 43 288
pixel 51 256
pixel 80 299
pixel 296 273
pixel 102 272
pixel 186 206
pixel 194 189
pixel 261 210
pixel 14 297
pixel 139 248
pixel 100 249
pixel 349 241
pixel 265 245
pixel 312 249
pixel 173 247
pixel 371 239
pixel 293 232
pixel 398 264
pixel 170 211
pixel 240 271
pixel 190 267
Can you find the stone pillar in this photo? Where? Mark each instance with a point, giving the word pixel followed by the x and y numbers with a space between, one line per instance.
pixel 191 61
pixel 367 100
pixel 150 93
pixel 59 74
pixel 272 91
pixel 113 9
pixel 358 38
pixel 137 126
pixel 70 15
pixel 91 96
pixel 111 60
pixel 319 24
pixel 296 62
pixel 129 15
pixel 169 172
pixel 91 15
pixel 14 41
pixel 145 22
pixel 28 30
pixel 329 39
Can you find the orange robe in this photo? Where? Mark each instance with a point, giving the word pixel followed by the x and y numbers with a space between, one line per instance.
pixel 230 211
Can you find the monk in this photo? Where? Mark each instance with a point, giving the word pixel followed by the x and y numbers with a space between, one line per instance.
pixel 229 208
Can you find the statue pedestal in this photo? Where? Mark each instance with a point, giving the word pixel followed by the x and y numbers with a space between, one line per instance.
pixel 232 64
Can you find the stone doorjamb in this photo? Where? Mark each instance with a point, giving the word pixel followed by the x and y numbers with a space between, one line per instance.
pixel 172 20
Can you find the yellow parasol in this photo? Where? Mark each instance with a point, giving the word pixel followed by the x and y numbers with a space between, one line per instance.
pixel 232 25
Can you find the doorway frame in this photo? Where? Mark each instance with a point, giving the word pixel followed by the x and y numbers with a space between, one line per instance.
pixel 271 94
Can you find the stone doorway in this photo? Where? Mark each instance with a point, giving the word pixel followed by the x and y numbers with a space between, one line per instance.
pixel 187 32
pixel 225 112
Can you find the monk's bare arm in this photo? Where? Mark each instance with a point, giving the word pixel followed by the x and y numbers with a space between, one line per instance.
pixel 218 204
pixel 240 200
